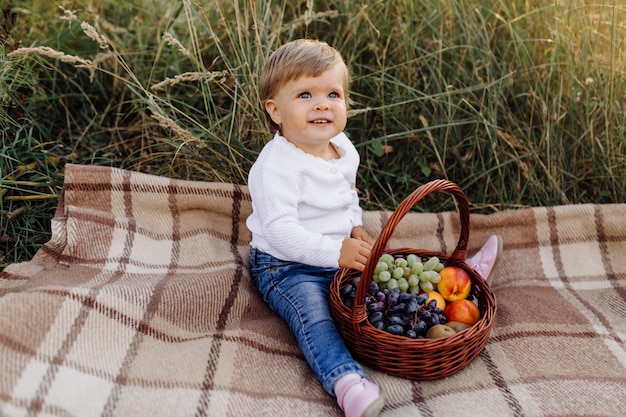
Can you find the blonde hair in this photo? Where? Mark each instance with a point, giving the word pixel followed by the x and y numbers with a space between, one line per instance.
pixel 299 58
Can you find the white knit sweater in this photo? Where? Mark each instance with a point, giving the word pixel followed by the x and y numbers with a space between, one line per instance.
pixel 303 206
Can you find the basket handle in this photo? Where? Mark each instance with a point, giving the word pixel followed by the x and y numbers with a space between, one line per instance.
pixel 458 255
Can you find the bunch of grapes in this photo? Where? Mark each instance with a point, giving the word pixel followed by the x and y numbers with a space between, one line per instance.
pixel 397 304
pixel 396 312
pixel 409 273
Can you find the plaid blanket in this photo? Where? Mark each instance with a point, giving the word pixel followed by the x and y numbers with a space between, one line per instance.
pixel 141 305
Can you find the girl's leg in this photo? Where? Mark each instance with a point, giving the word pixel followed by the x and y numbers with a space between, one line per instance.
pixel 299 294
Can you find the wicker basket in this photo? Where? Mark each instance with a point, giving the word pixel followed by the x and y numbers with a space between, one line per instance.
pixel 416 359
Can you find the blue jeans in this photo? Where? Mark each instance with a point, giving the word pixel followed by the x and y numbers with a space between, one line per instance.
pixel 299 294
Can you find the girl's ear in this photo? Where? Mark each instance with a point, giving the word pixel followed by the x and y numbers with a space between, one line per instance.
pixel 272 109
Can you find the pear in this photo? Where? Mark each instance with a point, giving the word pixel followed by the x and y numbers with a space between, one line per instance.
pixel 457 326
pixel 439 330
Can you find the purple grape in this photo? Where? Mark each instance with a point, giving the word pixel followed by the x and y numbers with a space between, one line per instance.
pixel 411 333
pixel 373 288
pixel 406 297
pixel 420 327
pixel 392 313
pixel 377 306
pixel 399 307
pixel 375 317
pixel 395 329
pixel 393 296
pixel 426 316
pixel 347 289
pixel 421 298
pixel 395 320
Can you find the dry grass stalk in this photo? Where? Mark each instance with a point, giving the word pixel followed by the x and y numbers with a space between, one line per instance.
pixel 68 15
pixel 50 53
pixel 172 41
pixel 93 34
pixel 167 123
pixel 308 13
pixel 356 112
pixel 191 77
pixel 98 59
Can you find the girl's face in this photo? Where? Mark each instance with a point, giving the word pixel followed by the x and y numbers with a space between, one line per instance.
pixel 311 110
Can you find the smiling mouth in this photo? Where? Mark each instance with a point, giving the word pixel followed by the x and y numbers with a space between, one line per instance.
pixel 320 121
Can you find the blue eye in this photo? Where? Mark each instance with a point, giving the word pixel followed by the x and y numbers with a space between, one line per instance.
pixel 305 95
pixel 334 95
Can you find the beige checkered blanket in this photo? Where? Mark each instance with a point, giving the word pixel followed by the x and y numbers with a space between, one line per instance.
pixel 141 305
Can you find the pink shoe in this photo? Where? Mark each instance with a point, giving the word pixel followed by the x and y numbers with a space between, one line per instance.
pixel 358 397
pixel 487 258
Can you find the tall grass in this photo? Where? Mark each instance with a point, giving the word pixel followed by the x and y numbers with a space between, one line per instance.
pixel 522 103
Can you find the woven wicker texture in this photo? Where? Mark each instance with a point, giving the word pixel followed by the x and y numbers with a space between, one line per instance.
pixel 416 359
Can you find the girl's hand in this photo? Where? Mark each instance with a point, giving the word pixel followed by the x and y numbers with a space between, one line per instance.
pixel 354 253
pixel 360 233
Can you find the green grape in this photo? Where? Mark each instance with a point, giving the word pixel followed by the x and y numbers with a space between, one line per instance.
pixel 407 272
pixel 425 276
pixel 384 276
pixel 386 258
pixel 401 262
pixel 415 289
pixel 392 283
pixel 412 259
pixel 426 286
pixel 382 286
pixel 413 280
pixel 435 278
pixel 381 266
pixel 375 278
pixel 403 284
pixel 440 267
pixel 417 268
pixel 431 263
pixel 398 272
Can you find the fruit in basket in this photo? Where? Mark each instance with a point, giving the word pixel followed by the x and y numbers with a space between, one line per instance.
pixel 402 298
pixel 463 311
pixel 434 295
pixel 457 326
pixel 439 330
pixel 410 273
pixel 427 286
pixel 455 283
pixel 387 258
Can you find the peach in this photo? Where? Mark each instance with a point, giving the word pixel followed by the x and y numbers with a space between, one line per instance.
pixel 434 295
pixel 455 283
pixel 463 311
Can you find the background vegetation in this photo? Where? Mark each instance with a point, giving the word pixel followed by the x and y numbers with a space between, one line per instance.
pixel 520 102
